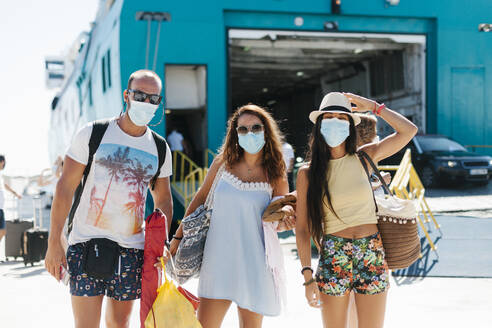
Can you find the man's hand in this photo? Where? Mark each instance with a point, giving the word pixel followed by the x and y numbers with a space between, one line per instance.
pixel 166 255
pixel 55 257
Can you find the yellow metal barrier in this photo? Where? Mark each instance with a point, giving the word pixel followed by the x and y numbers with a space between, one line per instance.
pixel 208 154
pixel 191 183
pixel 406 184
pixel 187 176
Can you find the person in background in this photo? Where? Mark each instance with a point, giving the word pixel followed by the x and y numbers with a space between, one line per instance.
pixel 367 134
pixel 48 179
pixel 51 175
pixel 3 187
pixel 288 154
pixel 177 142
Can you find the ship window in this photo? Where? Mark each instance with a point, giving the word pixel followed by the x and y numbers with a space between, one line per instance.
pixel 108 65
pixel 89 89
pixel 79 88
pixel 104 74
pixel 106 71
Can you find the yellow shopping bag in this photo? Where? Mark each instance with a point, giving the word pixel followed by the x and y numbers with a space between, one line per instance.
pixel 171 309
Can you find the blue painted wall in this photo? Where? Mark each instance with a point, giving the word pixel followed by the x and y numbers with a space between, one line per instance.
pixel 197 31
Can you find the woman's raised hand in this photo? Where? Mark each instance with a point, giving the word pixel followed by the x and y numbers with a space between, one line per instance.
pixel 361 104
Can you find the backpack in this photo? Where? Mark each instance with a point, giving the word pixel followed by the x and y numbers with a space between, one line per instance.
pixel 98 130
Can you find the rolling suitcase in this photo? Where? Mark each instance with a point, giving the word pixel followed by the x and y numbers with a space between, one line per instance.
pixel 34 241
pixel 34 245
pixel 15 230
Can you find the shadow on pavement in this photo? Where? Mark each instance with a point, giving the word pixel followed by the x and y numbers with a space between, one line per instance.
pixel 421 267
pixel 24 272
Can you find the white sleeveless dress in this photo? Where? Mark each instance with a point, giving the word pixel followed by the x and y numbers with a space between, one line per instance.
pixel 234 266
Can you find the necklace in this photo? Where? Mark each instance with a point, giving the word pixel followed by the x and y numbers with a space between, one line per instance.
pixel 250 169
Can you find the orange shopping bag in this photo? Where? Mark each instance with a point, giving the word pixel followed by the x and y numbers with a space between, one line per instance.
pixel 171 309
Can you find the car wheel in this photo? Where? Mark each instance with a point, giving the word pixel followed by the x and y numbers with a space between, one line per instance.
pixel 428 177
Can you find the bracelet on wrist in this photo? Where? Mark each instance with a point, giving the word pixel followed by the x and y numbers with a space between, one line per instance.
pixel 309 282
pixel 307 268
pixel 177 238
pixel 378 108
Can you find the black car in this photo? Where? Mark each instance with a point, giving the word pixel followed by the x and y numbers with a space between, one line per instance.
pixel 440 160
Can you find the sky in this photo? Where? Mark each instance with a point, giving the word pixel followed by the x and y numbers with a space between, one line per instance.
pixel 29 31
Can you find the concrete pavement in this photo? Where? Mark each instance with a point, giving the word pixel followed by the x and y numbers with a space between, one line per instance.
pixel 29 297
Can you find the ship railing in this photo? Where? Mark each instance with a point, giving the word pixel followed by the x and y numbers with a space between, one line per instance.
pixel 188 176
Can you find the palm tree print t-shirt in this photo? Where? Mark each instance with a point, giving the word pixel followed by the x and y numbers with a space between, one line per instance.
pixel 113 201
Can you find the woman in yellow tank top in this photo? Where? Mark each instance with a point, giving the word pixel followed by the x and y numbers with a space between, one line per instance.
pixel 335 207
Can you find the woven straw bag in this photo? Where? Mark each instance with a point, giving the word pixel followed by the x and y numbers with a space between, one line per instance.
pixel 397 223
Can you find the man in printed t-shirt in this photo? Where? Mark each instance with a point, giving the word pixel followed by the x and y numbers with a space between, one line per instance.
pixel 112 205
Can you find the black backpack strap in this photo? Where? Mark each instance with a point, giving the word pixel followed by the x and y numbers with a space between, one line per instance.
pixel 161 145
pixel 98 130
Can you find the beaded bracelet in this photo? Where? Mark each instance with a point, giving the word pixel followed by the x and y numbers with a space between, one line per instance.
pixel 309 282
pixel 307 268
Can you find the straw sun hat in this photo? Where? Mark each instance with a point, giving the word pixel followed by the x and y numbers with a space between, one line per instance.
pixel 334 102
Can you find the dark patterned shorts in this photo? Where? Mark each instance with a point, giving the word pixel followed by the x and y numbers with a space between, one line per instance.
pixel 2 219
pixel 124 285
pixel 352 264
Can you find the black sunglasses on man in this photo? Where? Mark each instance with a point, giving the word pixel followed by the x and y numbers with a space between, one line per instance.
pixel 141 96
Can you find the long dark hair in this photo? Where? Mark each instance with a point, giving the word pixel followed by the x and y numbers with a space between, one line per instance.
pixel 318 194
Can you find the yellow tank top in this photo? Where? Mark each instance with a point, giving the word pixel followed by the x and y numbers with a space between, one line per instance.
pixel 350 193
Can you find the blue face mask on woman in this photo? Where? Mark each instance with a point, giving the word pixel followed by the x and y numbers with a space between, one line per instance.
pixel 335 131
pixel 252 142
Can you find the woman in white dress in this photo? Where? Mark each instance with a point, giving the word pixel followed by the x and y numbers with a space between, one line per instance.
pixel 234 267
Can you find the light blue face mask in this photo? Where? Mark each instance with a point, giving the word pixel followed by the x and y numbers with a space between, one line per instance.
pixel 252 142
pixel 141 113
pixel 335 131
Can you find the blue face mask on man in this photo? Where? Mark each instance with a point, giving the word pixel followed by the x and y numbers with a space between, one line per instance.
pixel 252 142
pixel 335 131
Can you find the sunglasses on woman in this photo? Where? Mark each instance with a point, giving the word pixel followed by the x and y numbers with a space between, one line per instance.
pixel 243 129
pixel 142 96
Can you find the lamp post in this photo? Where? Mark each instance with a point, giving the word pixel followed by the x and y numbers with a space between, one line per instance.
pixel 151 16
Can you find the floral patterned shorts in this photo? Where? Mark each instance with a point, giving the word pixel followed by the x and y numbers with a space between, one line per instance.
pixel 352 264
pixel 124 285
